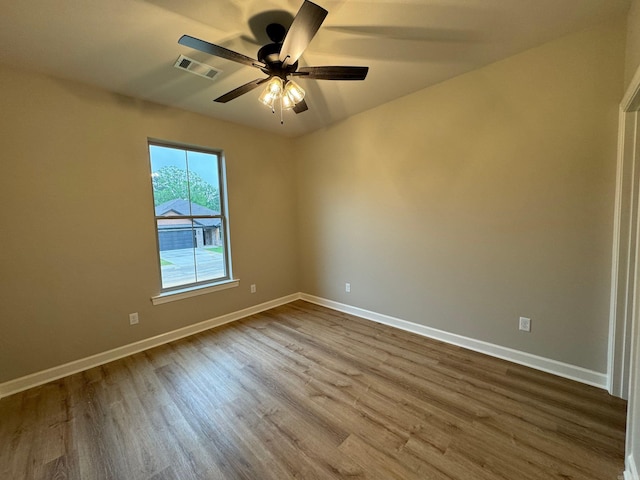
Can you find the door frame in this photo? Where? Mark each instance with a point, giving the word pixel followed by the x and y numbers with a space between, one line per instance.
pixel 624 328
pixel 625 274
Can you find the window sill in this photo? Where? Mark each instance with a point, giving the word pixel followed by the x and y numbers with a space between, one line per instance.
pixel 175 295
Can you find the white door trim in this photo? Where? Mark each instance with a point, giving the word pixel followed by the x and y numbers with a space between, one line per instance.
pixel 624 338
pixel 624 271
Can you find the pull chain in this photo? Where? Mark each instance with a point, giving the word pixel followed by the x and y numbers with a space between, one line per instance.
pixel 281 117
pixel 273 110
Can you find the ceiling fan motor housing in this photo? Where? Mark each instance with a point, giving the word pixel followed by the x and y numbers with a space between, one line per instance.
pixel 270 55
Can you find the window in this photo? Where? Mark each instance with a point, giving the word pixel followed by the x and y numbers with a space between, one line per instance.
pixel 190 214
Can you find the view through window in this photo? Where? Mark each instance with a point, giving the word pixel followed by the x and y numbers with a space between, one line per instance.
pixel 188 197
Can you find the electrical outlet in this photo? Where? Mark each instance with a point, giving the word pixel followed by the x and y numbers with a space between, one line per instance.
pixel 347 287
pixel 133 318
pixel 525 324
pixel 253 288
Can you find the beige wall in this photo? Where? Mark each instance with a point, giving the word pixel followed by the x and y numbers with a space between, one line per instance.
pixel 78 242
pixel 479 200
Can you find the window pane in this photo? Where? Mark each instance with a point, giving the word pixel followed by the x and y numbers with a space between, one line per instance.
pixel 210 261
pixel 176 241
pixel 203 183
pixel 170 181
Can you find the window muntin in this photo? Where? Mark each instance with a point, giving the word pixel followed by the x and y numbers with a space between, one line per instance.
pixel 190 214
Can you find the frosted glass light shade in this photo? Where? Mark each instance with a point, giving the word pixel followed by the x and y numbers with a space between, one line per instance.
pixel 293 90
pixel 267 98
pixel 287 102
pixel 275 85
pixel 272 91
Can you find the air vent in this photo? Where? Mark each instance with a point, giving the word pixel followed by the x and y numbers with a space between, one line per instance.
pixel 197 68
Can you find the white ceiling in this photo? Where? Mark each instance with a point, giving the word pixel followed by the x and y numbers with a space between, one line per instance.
pixel 130 46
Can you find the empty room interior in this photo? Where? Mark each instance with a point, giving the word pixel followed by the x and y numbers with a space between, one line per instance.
pixel 341 239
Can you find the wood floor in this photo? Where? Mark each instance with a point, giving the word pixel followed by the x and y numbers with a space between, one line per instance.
pixel 309 393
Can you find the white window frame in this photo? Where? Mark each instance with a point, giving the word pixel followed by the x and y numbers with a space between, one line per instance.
pixel 178 292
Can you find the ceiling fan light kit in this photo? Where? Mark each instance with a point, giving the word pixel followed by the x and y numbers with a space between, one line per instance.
pixel 290 95
pixel 279 60
pixel 287 98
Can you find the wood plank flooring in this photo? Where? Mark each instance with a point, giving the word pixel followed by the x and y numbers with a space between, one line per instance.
pixel 305 392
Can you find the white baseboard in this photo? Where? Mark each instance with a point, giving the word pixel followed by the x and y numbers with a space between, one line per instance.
pixel 555 367
pixel 540 363
pixel 631 473
pixel 39 378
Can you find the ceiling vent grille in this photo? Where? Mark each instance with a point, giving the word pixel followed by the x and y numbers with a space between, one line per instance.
pixel 195 67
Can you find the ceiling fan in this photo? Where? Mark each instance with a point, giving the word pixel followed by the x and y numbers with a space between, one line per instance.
pixel 279 60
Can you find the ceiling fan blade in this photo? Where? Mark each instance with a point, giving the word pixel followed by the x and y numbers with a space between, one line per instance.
pixel 218 51
pixel 300 107
pixel 303 28
pixel 333 73
pixel 246 88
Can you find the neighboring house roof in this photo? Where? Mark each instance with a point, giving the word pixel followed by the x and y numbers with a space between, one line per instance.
pixel 184 207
